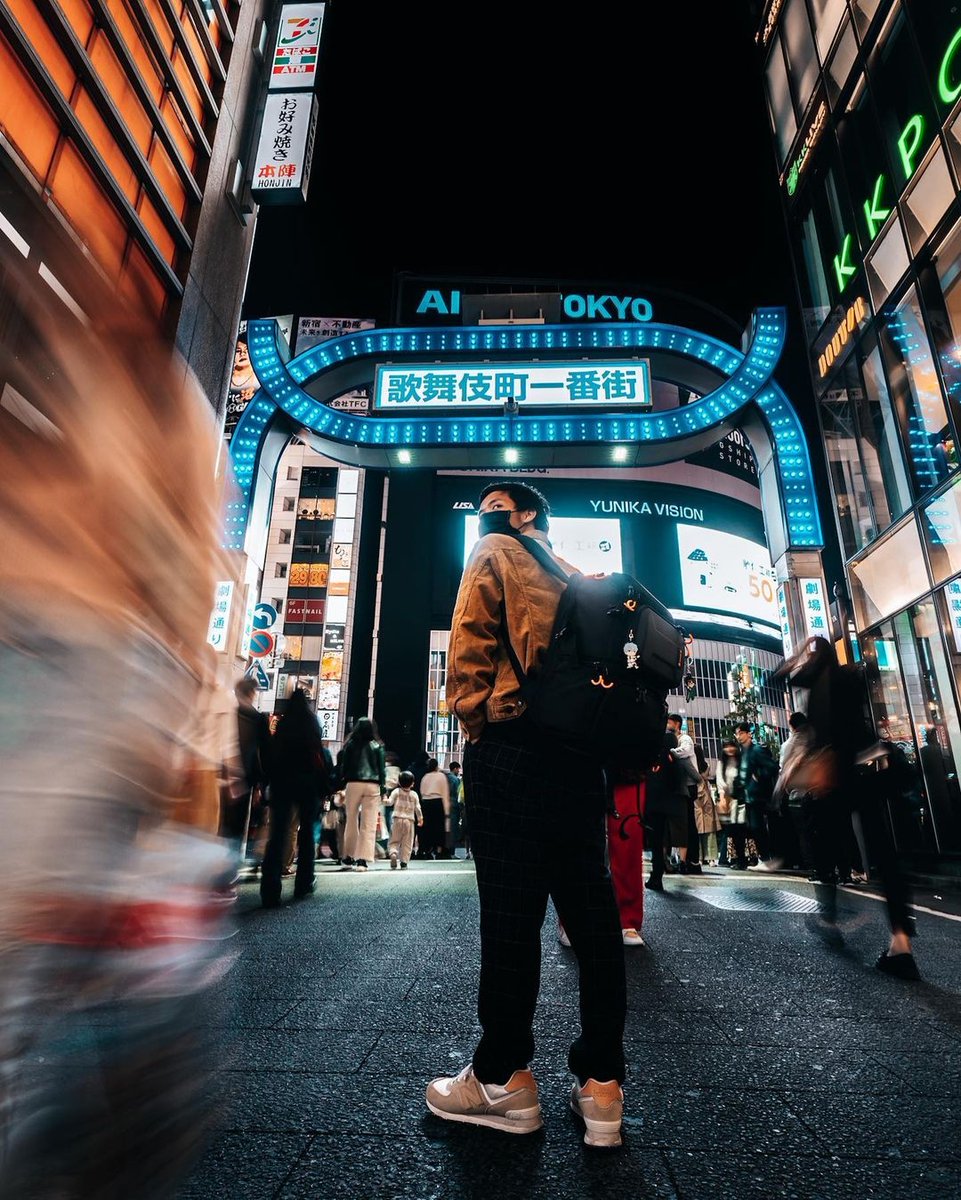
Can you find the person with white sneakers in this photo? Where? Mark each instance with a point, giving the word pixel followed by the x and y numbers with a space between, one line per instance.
pixel 537 833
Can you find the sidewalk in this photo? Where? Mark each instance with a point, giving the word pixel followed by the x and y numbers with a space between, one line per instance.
pixel 761 1064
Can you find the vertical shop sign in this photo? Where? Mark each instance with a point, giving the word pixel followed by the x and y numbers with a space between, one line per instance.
pixel 220 616
pixel 286 148
pixel 294 64
pixel 814 607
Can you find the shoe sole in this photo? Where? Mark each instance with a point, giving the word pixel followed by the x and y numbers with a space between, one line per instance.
pixel 491 1120
pixel 601 1135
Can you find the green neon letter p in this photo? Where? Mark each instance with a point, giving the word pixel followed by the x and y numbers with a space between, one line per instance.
pixel 909 143
pixel 948 92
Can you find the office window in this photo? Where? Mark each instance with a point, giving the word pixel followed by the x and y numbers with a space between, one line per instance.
pixel 812 280
pixel 889 577
pixel 843 59
pixel 864 11
pixel 941 526
pixel 927 200
pixel 827 18
pixel 880 445
pixel 943 302
pixel 290 503
pixel 284 536
pixel 779 99
pixel 280 570
pixel 292 473
pixel 799 47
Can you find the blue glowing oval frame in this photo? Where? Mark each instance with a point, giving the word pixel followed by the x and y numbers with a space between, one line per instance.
pixel 749 380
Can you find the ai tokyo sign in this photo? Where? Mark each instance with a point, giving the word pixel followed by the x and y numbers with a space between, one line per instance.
pixel 814 607
pixel 475 386
pixel 220 616
pixel 297 47
pixel 286 148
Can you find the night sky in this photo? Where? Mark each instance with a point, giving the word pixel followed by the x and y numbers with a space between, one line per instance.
pixel 618 143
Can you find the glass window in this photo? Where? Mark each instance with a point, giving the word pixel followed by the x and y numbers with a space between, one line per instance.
pixel 889 705
pixel 908 120
pixel 841 62
pixel 941 526
pixel 935 715
pixel 918 401
pixel 865 166
pixel 864 11
pixel 880 447
pixel 280 570
pixel 936 26
pixel 851 494
pixel 799 45
pixel 887 263
pixel 889 577
pixel 827 18
pixel 942 295
pixel 927 201
pixel 813 283
pixel 284 536
pixel 779 100
pixel 290 503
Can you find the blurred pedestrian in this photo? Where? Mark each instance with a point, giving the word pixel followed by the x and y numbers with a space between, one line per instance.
pixel 758 771
pixel 300 780
pixel 244 816
pixel 455 783
pixel 685 756
pixel 706 820
pixel 362 768
pixel 667 798
pixel 846 768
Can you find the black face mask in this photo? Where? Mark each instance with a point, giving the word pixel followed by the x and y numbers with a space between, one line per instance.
pixel 498 521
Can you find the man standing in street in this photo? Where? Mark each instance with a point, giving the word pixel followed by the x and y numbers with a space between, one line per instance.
pixel 537 827
pixel 758 776
pixel 253 731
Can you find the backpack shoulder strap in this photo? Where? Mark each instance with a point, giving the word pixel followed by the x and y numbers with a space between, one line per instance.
pixel 543 556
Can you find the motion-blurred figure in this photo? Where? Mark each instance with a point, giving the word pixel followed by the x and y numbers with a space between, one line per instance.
pixel 845 769
pixel 110 912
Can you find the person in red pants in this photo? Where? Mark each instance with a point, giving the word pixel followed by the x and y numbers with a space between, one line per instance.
pixel 625 851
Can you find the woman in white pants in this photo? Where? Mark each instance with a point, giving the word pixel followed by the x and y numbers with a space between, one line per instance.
pixel 362 767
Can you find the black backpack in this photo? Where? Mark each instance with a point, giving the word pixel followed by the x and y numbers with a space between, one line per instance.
pixel 593 694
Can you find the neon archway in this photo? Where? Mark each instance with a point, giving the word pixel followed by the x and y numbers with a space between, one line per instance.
pixel 746 396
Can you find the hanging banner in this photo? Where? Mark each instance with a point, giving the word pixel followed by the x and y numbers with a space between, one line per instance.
pixel 294 64
pixel 286 148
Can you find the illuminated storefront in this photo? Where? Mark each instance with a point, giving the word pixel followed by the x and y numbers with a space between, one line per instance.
pixel 865 104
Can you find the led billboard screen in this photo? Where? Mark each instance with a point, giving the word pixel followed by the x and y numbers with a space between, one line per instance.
pixel 593 546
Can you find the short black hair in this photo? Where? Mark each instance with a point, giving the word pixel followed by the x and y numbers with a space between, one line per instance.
pixel 797 720
pixel 743 727
pixel 675 717
pixel 405 779
pixel 525 497
pixel 454 766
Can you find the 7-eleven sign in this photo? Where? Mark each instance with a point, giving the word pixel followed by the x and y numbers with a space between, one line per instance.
pixel 294 63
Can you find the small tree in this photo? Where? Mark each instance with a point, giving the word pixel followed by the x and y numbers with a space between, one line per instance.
pixel 744 682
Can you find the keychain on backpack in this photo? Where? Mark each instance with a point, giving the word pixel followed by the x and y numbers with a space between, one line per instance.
pixel 631 651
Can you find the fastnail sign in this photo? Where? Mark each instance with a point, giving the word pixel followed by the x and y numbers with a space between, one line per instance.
pixel 910 144
pixel 480 386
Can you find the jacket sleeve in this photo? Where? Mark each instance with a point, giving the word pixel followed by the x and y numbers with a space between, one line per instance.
pixel 417 809
pixel 472 651
pixel 380 757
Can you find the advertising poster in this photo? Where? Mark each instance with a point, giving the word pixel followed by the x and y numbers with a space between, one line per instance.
pixel 309 612
pixel 311 331
pixel 342 555
pixel 726 573
pixel 243 378
pixel 334 638
pixel 332 666
pixel 328 694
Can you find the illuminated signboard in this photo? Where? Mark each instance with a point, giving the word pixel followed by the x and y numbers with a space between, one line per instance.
pixel 842 335
pixel 472 385
pixel 576 307
pixel 814 607
pixel 286 148
pixel 722 571
pixel 297 48
pixel 792 175
pixel 785 619
pixel 910 145
pixel 593 546
pixel 220 616
pixel 764 35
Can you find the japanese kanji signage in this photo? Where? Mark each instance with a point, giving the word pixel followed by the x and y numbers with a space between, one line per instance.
pixel 282 165
pixel 294 64
pixel 814 607
pixel 479 385
pixel 220 616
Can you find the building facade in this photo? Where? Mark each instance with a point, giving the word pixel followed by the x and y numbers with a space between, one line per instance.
pixel 125 132
pixel 864 100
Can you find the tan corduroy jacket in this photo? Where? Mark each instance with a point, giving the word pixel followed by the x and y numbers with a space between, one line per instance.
pixel 501 577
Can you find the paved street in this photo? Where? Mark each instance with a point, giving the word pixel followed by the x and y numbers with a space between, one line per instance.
pixel 762 1064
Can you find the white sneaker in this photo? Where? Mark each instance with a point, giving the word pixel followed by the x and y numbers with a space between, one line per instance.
pixel 562 936
pixel 601 1107
pixel 769 864
pixel 631 937
pixel 512 1107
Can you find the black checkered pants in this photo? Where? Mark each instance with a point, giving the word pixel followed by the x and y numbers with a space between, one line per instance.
pixel 537 831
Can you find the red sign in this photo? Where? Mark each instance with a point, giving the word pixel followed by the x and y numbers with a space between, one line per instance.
pixel 261 644
pixel 310 612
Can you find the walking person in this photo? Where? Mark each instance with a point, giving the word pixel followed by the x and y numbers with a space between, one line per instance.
pixel 435 802
pixel 706 819
pixel 254 738
pixel 404 803
pixel 362 767
pixel 536 813
pixel 758 775
pixel 300 777
pixel 456 820
pixel 666 791
pixel 689 847
pixel 731 809
pixel 848 769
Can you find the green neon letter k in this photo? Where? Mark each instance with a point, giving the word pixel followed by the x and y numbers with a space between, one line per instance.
pixel 874 214
pixel 842 264
pixel 909 143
